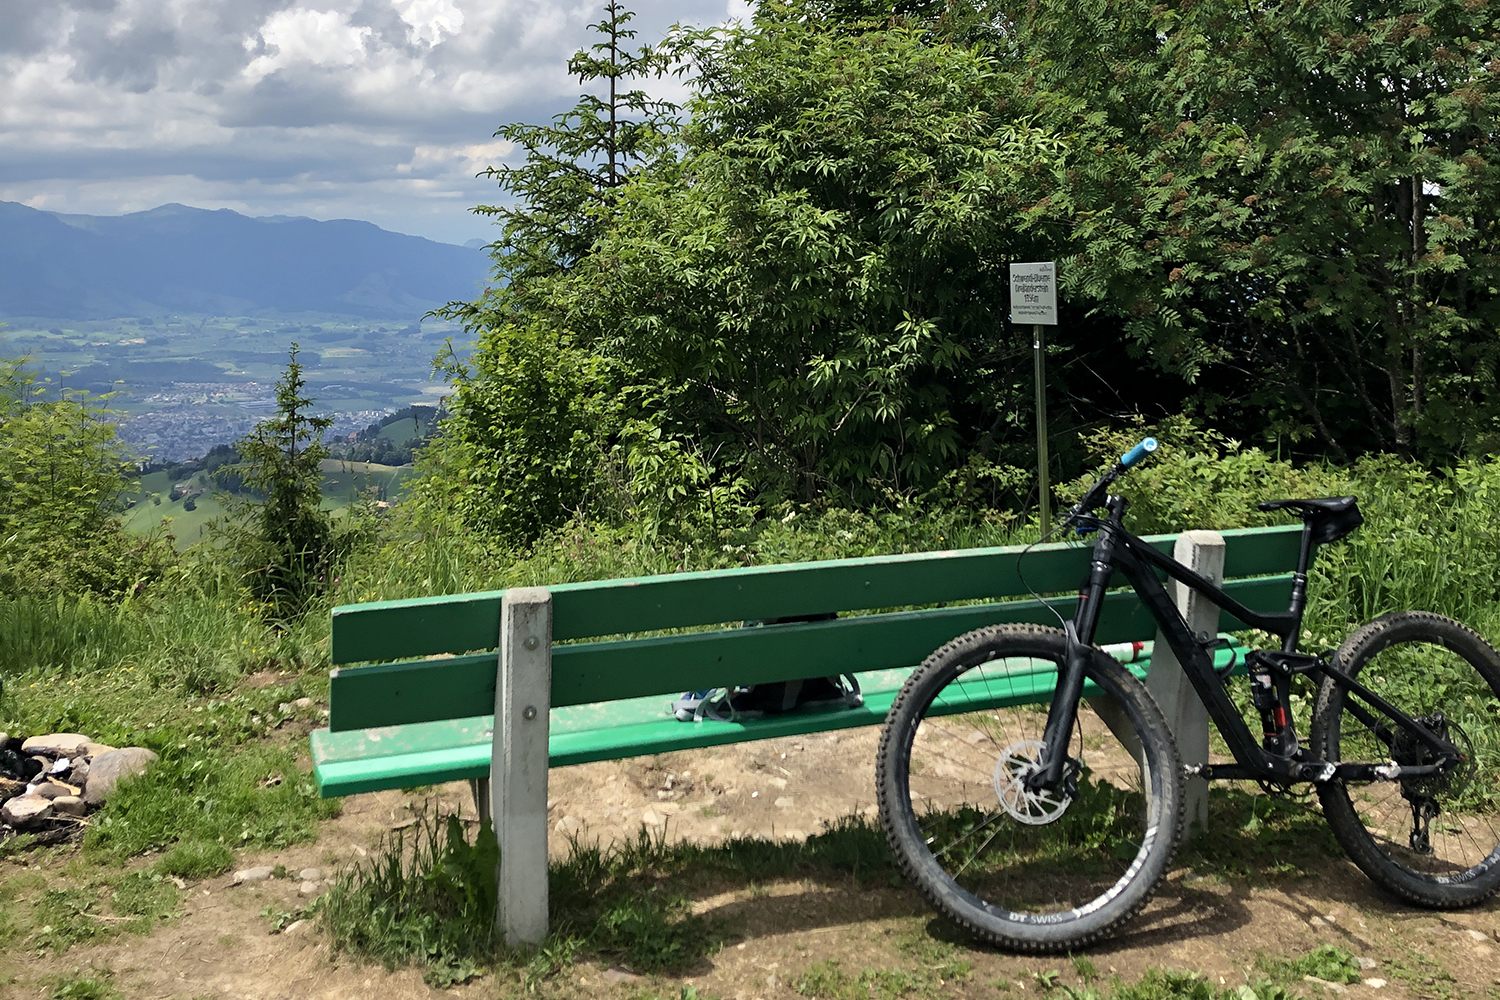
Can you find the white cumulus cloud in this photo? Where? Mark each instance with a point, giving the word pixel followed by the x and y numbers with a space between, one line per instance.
pixel 430 20
pixel 375 109
pixel 306 37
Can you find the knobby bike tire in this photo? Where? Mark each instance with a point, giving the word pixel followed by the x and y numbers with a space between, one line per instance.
pixel 1423 664
pixel 950 743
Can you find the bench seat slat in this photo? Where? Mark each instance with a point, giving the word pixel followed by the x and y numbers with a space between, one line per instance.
pixel 384 630
pixel 367 760
pixel 464 686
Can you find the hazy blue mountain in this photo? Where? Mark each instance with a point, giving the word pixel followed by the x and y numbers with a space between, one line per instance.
pixel 180 259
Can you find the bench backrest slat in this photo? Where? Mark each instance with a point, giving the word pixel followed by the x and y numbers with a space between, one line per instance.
pixel 388 630
pixel 463 686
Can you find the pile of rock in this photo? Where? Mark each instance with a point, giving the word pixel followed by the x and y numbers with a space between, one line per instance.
pixel 49 784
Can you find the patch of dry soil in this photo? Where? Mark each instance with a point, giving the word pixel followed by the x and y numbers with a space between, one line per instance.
pixel 222 946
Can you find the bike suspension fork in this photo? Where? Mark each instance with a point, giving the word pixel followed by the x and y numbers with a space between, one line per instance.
pixel 1062 715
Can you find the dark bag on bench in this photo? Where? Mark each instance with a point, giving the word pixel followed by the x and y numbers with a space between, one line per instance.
pixel 754 700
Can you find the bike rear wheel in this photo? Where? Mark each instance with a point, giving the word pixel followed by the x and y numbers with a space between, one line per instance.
pixel 1432 841
pixel 1030 871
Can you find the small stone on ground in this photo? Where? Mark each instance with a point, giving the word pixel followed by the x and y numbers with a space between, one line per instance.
pixel 25 811
pixel 65 742
pixel 258 874
pixel 69 805
pixel 109 769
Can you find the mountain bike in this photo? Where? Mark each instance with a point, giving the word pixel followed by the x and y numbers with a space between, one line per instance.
pixel 1044 828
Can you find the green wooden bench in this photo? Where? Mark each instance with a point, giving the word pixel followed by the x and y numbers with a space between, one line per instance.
pixel 583 671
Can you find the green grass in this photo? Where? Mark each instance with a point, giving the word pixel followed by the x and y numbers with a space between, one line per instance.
pixel 1251 835
pixel 828 980
pixel 195 799
pixel 427 898
pixel 106 904
pixel 402 431
pixel 1278 978
pixel 196 859
pixel 195 635
pixel 1424 976
pixel 1329 963
pixel 232 772
pixel 93 984
pixel 186 526
pixel 1166 984
pixel 148 896
pixel 343 483
pixel 167 670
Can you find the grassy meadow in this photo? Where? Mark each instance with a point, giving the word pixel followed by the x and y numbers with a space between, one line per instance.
pixel 198 672
pixel 158 499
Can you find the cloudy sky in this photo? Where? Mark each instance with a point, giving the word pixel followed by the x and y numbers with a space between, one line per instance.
pixel 365 109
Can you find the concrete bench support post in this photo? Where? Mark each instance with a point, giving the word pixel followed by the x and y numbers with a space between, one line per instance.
pixel 1202 552
pixel 518 765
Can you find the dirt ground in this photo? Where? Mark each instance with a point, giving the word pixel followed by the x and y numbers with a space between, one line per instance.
pixel 222 946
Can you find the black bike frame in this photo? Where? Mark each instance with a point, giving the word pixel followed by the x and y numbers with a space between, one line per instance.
pixel 1117 549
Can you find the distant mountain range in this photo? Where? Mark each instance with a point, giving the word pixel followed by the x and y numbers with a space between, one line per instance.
pixel 180 259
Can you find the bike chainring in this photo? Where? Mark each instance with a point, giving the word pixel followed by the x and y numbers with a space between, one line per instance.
pixel 1033 807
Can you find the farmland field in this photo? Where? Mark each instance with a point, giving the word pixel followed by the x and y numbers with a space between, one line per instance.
pixel 160 499
pixel 184 383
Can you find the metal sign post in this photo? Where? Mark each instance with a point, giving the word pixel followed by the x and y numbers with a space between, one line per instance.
pixel 1033 299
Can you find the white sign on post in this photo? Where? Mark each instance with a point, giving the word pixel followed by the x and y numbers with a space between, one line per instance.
pixel 1033 293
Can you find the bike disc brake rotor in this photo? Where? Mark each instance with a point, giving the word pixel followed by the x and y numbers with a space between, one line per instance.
pixel 1033 807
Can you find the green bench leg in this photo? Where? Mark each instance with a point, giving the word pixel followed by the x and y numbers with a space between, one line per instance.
pixel 1202 552
pixel 518 762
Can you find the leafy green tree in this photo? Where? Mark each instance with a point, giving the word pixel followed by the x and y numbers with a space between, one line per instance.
pixel 822 275
pixel 1292 203
pixel 801 293
pixel 530 435
pixel 561 194
pixel 64 478
pixel 526 441
pixel 803 299
pixel 284 542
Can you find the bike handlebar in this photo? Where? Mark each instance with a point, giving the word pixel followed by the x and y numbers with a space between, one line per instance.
pixel 1138 453
pixel 1095 496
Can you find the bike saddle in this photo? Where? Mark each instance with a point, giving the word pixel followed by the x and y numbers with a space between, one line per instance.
pixel 1331 517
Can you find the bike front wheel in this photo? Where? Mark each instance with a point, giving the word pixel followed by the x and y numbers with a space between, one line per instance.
pixel 1433 841
pixel 1030 870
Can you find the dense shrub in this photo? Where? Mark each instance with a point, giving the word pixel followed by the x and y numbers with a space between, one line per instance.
pixel 63 474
